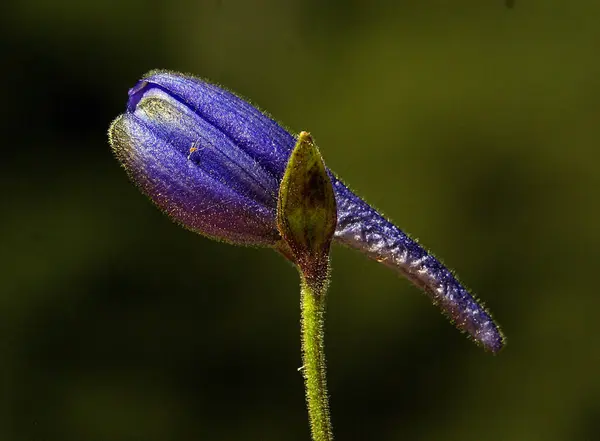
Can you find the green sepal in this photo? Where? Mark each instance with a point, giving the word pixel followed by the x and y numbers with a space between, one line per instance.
pixel 306 208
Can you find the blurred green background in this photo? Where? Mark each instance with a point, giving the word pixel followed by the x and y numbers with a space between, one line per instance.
pixel 473 126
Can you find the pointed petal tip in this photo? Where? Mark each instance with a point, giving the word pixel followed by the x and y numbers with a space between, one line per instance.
pixel 492 340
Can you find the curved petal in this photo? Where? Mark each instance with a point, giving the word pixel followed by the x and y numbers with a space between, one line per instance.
pixel 206 146
pixel 361 227
pixel 184 191
pixel 255 132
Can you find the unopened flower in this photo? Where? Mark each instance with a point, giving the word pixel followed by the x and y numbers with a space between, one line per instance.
pixel 214 163
pixel 307 211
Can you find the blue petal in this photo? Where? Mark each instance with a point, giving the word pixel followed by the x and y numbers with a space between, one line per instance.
pixel 361 227
pixel 253 131
pixel 205 146
pixel 185 191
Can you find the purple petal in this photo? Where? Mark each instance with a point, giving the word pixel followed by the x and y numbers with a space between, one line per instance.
pixel 363 228
pixel 249 128
pixel 184 191
pixel 206 146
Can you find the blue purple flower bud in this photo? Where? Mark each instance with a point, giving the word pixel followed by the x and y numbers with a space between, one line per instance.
pixel 214 163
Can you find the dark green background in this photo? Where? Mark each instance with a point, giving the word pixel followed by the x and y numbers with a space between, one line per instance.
pixel 473 126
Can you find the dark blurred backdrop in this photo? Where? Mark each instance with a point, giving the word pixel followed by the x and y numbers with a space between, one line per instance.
pixel 475 127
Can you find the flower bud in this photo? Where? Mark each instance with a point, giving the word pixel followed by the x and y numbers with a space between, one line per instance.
pixel 215 163
pixel 306 209
pixel 204 156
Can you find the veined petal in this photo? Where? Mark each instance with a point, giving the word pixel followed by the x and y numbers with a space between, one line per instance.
pixel 256 133
pixel 184 191
pixel 206 146
pixel 361 227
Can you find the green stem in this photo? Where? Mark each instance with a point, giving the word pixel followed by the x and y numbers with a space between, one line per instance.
pixel 313 356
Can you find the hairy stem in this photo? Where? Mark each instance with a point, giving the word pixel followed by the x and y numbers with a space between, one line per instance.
pixel 313 355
